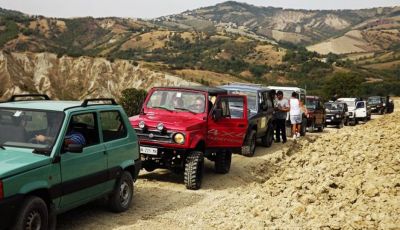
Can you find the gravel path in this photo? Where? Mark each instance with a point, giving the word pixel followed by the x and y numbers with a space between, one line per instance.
pixel 347 178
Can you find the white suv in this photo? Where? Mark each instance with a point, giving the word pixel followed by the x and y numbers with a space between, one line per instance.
pixel 358 110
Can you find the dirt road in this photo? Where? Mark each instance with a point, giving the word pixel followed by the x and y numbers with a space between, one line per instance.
pixel 347 178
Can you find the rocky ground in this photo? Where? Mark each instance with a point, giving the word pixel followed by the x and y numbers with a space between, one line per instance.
pixel 347 178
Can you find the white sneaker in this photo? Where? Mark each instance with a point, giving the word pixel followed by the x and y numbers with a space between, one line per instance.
pixel 294 136
pixel 298 134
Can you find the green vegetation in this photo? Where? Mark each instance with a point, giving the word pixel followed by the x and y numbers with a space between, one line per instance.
pixel 10 32
pixel 131 100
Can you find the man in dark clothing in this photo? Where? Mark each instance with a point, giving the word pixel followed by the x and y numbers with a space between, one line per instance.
pixel 281 109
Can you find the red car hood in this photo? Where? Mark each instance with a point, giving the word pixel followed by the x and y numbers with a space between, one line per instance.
pixel 172 122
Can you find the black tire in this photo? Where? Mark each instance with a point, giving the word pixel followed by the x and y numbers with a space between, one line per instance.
pixel 353 122
pixel 321 128
pixel 268 138
pixel 33 214
pixel 303 127
pixel 346 123
pixel 223 161
pixel 194 168
pixel 341 124
pixel 312 127
pixel 121 198
pixel 251 143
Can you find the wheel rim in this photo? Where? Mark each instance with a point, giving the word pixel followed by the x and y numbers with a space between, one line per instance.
pixel 124 194
pixel 33 221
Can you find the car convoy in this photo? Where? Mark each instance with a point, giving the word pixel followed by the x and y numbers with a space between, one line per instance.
pixel 42 174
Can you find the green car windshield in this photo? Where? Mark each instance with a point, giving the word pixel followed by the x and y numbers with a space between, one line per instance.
pixel 29 128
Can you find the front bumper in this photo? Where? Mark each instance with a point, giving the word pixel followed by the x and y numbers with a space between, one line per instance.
pixel 8 210
pixel 165 157
pixel 332 119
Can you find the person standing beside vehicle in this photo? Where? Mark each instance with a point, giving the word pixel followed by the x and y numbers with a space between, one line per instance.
pixel 281 109
pixel 295 106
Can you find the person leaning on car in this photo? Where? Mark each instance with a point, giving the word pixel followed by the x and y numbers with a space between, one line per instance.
pixel 281 109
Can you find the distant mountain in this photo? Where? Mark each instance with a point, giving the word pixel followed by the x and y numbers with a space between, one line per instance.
pixel 277 24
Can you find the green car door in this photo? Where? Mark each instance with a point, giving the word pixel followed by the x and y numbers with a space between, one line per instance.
pixel 83 173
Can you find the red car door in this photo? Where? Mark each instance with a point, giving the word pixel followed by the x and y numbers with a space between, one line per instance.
pixel 228 122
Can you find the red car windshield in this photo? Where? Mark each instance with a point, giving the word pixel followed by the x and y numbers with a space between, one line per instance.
pixel 177 100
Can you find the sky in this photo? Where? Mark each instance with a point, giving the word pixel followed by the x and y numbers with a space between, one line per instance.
pixel 155 8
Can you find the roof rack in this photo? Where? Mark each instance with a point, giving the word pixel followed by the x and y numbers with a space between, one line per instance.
pixel 85 103
pixel 13 97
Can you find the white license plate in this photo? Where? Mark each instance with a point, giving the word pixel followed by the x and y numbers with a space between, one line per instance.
pixel 328 120
pixel 148 150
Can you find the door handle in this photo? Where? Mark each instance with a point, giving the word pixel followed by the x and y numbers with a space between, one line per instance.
pixel 241 125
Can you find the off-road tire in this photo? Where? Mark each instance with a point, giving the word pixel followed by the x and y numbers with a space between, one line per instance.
pixel 303 127
pixel 223 161
pixel 268 138
pixel 251 141
pixel 312 127
pixel 341 124
pixel 346 123
pixel 33 214
pixel 121 198
pixel 353 122
pixel 321 128
pixel 194 167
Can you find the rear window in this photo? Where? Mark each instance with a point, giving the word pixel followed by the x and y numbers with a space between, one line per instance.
pixel 112 125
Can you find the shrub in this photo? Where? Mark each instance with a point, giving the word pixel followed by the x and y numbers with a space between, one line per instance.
pixel 132 100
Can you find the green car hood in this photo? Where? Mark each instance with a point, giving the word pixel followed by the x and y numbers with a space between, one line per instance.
pixel 14 161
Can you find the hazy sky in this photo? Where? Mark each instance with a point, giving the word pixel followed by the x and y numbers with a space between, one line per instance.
pixel 156 8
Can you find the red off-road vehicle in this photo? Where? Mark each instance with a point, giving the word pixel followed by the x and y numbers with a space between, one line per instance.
pixel 179 127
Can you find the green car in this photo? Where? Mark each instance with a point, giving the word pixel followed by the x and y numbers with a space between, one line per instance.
pixel 57 155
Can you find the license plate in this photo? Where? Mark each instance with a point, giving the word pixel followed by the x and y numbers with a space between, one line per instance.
pixel 328 120
pixel 148 150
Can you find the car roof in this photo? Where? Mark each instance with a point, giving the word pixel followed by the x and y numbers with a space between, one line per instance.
pixel 210 90
pixel 286 88
pixel 245 87
pixel 52 105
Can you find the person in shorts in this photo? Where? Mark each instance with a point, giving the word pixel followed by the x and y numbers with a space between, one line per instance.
pixel 296 106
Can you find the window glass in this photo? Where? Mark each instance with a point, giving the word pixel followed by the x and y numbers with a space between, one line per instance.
pixel 112 125
pixel 178 101
pixel 29 128
pixel 83 125
pixel 232 107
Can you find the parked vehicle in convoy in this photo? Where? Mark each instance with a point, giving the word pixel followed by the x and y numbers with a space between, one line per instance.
pixel 261 109
pixel 316 113
pixel 358 110
pixel 44 171
pixel 179 127
pixel 337 114
pixel 287 93
pixel 388 103
pixel 378 105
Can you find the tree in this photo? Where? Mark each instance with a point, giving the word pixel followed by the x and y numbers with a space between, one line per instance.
pixel 132 100
pixel 344 85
